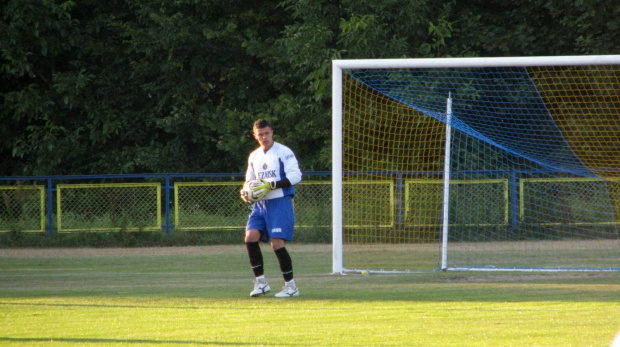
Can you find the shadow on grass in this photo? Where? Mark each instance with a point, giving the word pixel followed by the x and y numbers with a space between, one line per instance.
pixel 128 341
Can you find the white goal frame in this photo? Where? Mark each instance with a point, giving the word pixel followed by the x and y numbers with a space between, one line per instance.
pixel 339 65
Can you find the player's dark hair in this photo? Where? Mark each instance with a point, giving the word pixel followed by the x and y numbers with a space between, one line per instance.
pixel 262 123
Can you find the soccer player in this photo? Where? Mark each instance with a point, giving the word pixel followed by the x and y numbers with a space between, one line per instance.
pixel 272 219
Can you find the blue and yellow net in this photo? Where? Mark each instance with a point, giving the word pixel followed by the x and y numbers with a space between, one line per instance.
pixel 534 167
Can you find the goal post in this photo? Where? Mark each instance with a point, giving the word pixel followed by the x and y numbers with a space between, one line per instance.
pixel 445 207
pixel 337 241
pixel 526 147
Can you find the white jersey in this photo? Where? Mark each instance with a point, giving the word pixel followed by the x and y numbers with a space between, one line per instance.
pixel 278 163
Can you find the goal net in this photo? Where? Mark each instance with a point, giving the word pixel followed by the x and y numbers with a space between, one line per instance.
pixel 476 164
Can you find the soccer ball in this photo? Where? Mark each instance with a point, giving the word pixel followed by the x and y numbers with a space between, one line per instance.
pixel 253 195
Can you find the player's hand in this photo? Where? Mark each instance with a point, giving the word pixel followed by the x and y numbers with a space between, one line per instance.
pixel 244 196
pixel 262 186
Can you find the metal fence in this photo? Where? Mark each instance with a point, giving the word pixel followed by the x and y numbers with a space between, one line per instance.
pixel 168 202
pixel 150 202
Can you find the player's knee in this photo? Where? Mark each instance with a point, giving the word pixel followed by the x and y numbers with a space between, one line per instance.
pixel 277 243
pixel 252 235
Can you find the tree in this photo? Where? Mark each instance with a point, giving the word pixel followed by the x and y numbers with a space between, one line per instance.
pixel 139 86
pixel 537 27
pixel 174 85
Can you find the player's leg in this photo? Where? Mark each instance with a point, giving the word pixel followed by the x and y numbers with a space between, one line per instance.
pixel 284 258
pixel 280 227
pixel 253 236
pixel 286 266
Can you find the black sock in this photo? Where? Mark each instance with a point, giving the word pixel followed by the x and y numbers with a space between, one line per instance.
pixel 256 258
pixel 286 264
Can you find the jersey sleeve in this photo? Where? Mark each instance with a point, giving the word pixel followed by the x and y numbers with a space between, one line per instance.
pixel 291 166
pixel 249 172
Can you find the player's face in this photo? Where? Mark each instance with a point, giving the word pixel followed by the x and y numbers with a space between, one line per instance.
pixel 264 136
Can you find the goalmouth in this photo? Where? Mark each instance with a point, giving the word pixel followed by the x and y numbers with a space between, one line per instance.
pixel 480 164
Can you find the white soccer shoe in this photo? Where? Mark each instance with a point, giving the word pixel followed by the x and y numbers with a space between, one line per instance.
pixel 261 287
pixel 288 291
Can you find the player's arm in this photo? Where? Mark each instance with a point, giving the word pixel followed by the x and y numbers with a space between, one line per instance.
pixel 291 169
pixel 271 185
pixel 283 183
pixel 249 176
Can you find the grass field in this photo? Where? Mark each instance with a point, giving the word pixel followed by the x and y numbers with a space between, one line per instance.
pixel 180 296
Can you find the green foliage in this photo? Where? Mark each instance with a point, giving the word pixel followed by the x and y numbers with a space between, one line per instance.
pixel 539 27
pixel 95 87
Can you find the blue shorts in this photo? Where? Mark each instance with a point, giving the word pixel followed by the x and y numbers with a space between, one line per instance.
pixel 274 217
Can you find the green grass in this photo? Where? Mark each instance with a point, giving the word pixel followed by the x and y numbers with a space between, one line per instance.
pixel 199 296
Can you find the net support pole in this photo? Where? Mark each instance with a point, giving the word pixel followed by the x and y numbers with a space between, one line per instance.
pixel 337 253
pixel 445 218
